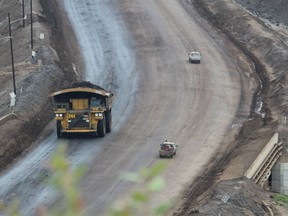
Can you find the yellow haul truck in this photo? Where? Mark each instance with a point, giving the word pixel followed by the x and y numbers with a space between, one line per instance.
pixel 83 108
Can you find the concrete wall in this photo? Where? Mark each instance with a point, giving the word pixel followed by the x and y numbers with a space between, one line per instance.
pixel 279 179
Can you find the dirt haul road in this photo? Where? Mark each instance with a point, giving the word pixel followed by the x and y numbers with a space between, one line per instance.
pixel 139 49
pixel 194 105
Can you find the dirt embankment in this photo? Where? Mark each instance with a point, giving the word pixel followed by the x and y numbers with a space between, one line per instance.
pixel 35 78
pixel 273 11
pixel 266 48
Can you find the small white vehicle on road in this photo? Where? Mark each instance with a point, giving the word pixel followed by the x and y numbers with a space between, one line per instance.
pixel 194 57
pixel 168 149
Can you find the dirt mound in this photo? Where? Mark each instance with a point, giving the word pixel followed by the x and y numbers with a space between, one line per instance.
pixel 234 197
pixel 86 84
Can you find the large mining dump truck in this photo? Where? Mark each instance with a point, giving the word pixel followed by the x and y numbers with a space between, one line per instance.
pixel 84 108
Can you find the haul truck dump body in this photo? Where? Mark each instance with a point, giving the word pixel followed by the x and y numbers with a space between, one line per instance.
pixel 83 109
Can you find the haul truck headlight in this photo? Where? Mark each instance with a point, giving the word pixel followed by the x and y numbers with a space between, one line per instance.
pixel 59 115
pixel 98 114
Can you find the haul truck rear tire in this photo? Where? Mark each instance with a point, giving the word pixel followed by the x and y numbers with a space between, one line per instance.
pixel 101 127
pixel 108 116
pixel 59 129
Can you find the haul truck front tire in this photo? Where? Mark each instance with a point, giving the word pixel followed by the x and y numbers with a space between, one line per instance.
pixel 59 129
pixel 101 127
pixel 108 116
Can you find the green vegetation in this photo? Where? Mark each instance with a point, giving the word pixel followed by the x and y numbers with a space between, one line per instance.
pixel 139 200
pixel 281 198
pixel 12 210
pixel 66 180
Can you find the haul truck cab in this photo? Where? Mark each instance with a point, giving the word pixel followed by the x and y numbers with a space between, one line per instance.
pixel 83 110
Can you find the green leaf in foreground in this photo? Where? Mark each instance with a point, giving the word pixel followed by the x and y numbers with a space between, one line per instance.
pixel 132 177
pixel 162 208
pixel 139 201
pixel 156 184
pixel 140 197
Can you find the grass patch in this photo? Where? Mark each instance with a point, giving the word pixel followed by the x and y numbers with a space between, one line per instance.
pixel 281 198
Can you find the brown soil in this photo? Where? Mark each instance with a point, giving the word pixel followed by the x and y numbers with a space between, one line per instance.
pixel 34 83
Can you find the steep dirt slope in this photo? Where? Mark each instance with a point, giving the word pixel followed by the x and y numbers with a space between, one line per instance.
pixel 33 81
pixel 273 11
pixel 267 49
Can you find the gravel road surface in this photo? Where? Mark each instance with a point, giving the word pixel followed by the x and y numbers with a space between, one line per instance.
pixel 138 49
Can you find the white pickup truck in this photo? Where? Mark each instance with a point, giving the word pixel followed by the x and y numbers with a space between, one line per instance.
pixel 168 149
pixel 194 57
